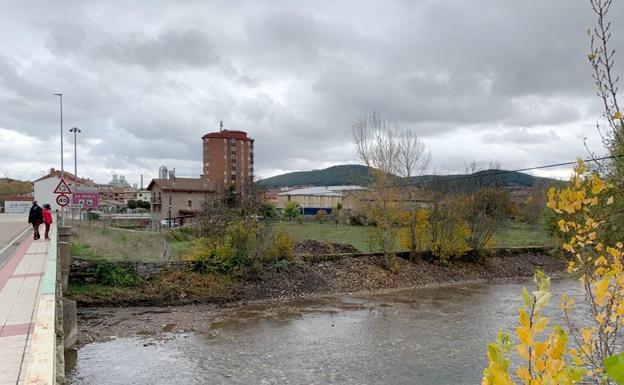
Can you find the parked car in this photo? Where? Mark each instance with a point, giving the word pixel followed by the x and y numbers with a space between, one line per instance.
pixel 168 225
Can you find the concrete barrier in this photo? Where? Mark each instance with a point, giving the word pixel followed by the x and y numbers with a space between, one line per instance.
pixel 55 322
pixel 42 359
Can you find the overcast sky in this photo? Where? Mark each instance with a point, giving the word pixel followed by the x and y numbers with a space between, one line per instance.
pixel 491 80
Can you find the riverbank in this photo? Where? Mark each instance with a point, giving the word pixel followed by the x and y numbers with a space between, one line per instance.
pixel 170 294
pixel 177 284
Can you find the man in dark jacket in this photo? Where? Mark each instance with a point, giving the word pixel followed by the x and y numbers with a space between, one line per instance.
pixel 35 217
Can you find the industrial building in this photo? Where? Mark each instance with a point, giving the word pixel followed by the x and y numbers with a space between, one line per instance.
pixel 313 199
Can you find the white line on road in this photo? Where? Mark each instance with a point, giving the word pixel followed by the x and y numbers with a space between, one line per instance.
pixel 14 240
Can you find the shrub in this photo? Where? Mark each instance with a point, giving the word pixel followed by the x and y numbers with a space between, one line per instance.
pixel 93 216
pixel 246 245
pixel 115 274
pixel 321 216
pixel 292 210
pixel 282 246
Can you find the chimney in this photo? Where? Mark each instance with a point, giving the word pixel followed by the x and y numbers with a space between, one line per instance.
pixel 221 126
pixel 141 181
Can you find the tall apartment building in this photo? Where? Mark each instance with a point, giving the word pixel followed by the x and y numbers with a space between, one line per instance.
pixel 228 158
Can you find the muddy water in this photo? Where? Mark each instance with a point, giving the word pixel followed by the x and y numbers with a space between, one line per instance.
pixel 423 336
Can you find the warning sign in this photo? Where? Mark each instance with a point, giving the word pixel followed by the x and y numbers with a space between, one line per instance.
pixel 62 188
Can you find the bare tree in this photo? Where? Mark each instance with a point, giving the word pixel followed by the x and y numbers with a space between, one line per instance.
pixel 394 157
pixel 412 158
pixel 377 146
pixel 602 59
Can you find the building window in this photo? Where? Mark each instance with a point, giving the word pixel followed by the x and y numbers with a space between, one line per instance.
pixel 233 173
pixel 190 204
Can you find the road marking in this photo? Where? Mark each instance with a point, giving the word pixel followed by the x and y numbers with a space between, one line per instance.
pixel 13 241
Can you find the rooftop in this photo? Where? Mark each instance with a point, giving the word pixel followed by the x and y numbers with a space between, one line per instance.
pixel 182 184
pixel 324 190
pixel 228 134
pixel 68 177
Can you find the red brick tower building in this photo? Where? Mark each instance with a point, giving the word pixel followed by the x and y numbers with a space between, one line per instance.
pixel 228 158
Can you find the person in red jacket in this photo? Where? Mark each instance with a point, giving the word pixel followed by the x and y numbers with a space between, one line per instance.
pixel 47 220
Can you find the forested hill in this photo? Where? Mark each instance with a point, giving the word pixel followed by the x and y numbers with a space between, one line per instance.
pixel 348 174
pixel 352 174
pixel 10 187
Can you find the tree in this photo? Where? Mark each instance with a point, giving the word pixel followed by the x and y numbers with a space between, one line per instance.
pixel 390 154
pixel 132 204
pixel 292 210
pixel 336 212
pixel 267 210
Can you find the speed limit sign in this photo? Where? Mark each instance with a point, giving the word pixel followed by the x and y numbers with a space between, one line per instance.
pixel 62 200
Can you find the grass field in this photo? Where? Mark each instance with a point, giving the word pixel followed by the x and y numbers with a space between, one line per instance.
pixel 126 245
pixel 518 234
pixel 116 244
pixel 511 234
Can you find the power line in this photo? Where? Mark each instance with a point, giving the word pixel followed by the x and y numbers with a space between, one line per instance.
pixel 502 172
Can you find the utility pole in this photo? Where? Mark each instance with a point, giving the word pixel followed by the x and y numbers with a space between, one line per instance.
pixel 61 105
pixel 75 130
pixel 62 166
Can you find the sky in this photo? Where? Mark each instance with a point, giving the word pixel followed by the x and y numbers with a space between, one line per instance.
pixel 486 80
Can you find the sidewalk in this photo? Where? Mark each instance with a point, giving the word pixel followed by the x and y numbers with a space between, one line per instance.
pixel 20 281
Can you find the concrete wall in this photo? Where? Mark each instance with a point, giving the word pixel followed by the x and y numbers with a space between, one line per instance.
pixel 17 207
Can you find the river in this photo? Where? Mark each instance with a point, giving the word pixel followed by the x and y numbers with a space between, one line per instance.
pixel 425 336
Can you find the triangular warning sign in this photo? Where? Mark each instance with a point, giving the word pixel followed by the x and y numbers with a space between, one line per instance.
pixel 62 188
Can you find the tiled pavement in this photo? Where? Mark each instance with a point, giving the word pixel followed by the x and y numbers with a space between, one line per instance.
pixel 20 281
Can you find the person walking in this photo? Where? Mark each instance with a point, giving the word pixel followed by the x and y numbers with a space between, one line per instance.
pixel 47 220
pixel 35 217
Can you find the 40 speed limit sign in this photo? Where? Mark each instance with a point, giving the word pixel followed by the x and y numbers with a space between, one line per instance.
pixel 62 200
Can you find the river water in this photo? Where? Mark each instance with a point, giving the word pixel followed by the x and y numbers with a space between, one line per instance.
pixel 421 336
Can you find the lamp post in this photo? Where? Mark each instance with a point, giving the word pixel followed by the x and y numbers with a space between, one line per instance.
pixel 75 130
pixel 61 105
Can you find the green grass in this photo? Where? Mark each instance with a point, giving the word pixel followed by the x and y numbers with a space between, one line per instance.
pixel 357 236
pixel 179 248
pixel 114 244
pixel 511 234
pixel 518 234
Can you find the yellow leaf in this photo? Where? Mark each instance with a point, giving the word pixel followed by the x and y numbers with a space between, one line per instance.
pixel 601 291
pixel 617 115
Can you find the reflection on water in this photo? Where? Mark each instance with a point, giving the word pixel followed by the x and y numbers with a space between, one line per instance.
pixel 423 336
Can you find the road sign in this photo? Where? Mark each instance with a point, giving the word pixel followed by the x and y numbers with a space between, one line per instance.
pixel 88 199
pixel 62 200
pixel 62 188
pixel 76 205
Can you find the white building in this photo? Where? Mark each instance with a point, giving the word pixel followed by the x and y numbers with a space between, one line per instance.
pixel 144 195
pixel 44 187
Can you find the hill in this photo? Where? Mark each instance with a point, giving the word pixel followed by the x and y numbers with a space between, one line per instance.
pixel 351 174
pixel 348 174
pixel 9 187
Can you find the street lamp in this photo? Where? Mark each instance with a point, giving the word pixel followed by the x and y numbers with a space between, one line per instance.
pixel 61 104
pixel 75 130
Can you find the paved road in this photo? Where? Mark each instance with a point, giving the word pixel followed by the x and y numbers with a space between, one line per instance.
pixel 11 225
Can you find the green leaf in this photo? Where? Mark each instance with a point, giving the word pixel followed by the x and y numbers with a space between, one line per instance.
pixel 614 366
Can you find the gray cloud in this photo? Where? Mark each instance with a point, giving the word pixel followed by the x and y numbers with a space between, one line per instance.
pixel 146 84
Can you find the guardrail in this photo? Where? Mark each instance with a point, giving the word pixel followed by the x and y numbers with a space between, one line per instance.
pixel 41 369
